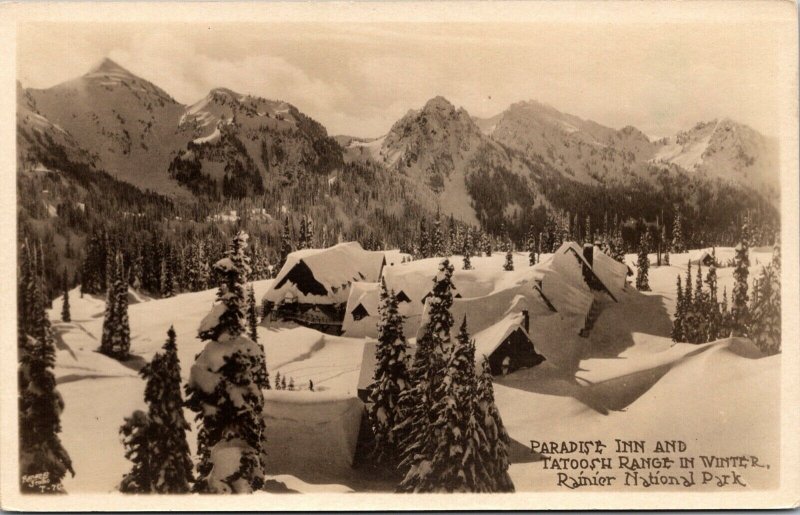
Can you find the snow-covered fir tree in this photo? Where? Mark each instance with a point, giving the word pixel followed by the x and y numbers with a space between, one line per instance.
pixel 65 314
pixel 496 435
pixel 93 267
pixel 588 230
pixel 643 263
pixel 765 308
pixel 680 314
pixel 700 306
pixel 426 373
pixel 224 387
pixel 302 241
pixel 286 243
pixel 678 243
pixel 446 453
pixel 43 461
pixel 136 436
pixel 530 245
pixel 466 251
pixel 291 384
pixel 252 314
pixel 437 242
pixel 390 381
pixel 198 270
pixel 665 244
pixel 156 441
pixel 424 240
pixel 713 316
pixel 740 314
pixel 309 232
pixel 116 338
pixel 508 265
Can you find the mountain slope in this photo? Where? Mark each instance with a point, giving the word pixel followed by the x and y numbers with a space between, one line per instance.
pixel 127 123
pixel 581 149
pixel 239 145
pixel 728 150
pixel 591 153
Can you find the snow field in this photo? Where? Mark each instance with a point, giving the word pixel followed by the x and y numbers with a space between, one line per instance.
pixel 627 380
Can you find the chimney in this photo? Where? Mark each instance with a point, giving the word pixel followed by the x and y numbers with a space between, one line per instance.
pixel 526 320
pixel 588 253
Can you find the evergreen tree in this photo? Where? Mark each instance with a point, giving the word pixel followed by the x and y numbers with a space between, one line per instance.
pixel 447 453
pixel 701 307
pixel 302 242
pixel 740 316
pixel 691 326
pixel 467 251
pixel 156 442
pixel 678 244
pixel 496 435
pixel 487 246
pixel 531 247
pixel 116 338
pixel 665 244
pixel 424 242
pixel 427 372
pixel 136 434
pixel 291 384
pixel 93 268
pixel 680 313
pixel 765 309
pixel 310 233
pixel 643 264
pixel 43 461
pixel 283 383
pixel 65 315
pixel 391 379
pixel 252 314
pixel 225 393
pixel 168 278
pixel 713 315
pixel 588 230
pixel 286 243
pixel 437 243
pixel 278 381
pixel 508 266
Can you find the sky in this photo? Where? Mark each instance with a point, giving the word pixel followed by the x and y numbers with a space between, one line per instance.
pixel 359 78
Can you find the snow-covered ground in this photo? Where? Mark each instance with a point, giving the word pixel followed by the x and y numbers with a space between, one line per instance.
pixel 632 382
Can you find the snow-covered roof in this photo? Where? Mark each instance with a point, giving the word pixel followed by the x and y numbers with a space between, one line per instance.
pixel 332 271
pixel 610 271
pixel 395 257
pixel 483 312
pixel 562 283
pixel 487 340
pixel 366 295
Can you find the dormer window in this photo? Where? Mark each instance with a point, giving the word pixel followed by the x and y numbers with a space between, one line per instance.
pixel 359 312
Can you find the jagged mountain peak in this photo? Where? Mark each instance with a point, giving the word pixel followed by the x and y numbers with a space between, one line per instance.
pixel 439 102
pixel 108 66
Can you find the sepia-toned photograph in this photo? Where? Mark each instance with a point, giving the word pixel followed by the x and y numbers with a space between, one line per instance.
pixel 361 250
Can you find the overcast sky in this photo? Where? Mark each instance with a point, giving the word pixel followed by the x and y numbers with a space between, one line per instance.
pixel 357 79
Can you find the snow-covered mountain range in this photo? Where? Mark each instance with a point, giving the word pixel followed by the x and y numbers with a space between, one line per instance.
pixel 232 145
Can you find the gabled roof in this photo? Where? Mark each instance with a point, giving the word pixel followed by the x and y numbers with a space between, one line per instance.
pixel 489 339
pixel 574 250
pixel 610 271
pixel 324 276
